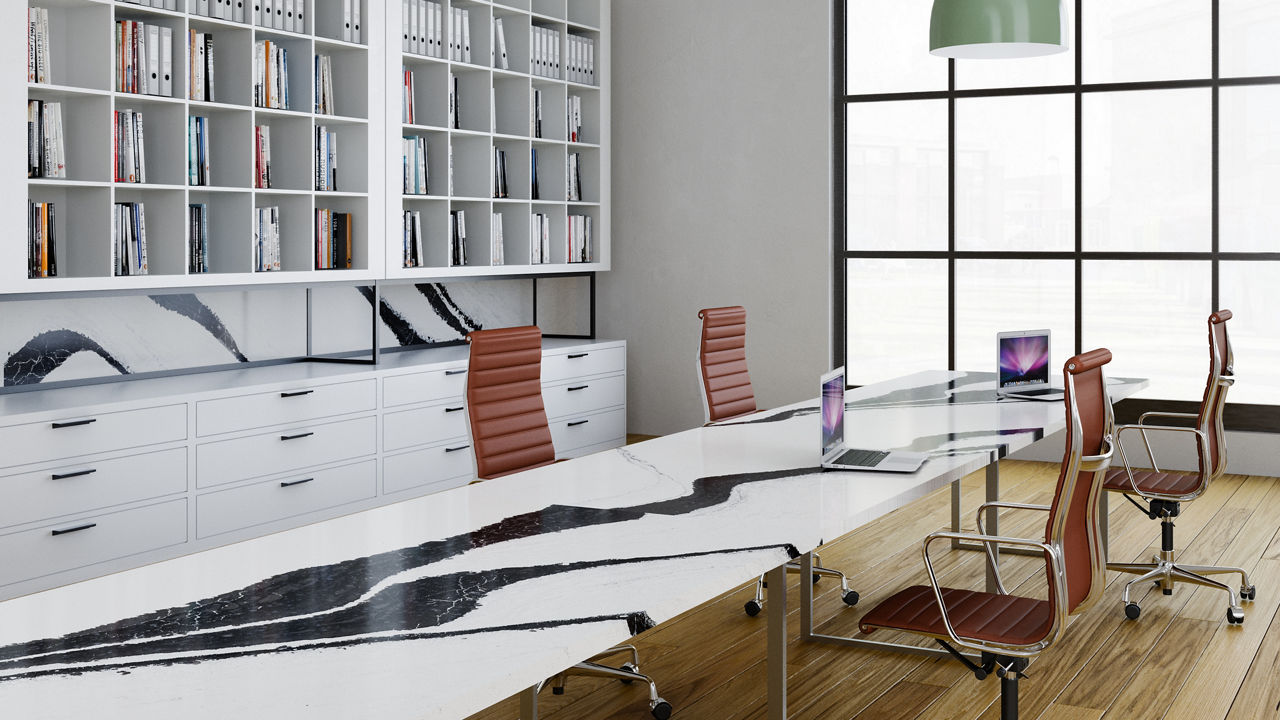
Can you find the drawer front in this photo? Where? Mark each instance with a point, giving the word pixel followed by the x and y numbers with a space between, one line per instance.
pixel 284 406
pixel 424 386
pixel 91 485
pixel 265 502
pixel 579 431
pixel 36 553
pixel 88 434
pixel 446 466
pixel 581 363
pixel 577 398
pixel 270 453
pixel 424 426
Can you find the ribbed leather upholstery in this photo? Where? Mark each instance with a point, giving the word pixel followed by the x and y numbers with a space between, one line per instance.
pixel 1165 483
pixel 509 430
pixel 722 356
pixel 1072 525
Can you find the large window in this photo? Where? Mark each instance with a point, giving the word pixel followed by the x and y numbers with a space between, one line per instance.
pixel 1116 193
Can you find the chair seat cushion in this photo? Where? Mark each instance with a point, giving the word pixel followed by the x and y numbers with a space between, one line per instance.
pixel 1006 619
pixel 1149 481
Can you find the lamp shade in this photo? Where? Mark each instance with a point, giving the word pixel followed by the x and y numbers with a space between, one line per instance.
pixel 997 28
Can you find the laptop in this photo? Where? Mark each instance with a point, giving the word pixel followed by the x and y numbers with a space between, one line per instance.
pixel 835 456
pixel 1022 366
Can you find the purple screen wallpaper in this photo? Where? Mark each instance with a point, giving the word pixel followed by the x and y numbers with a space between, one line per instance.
pixel 1024 360
pixel 832 413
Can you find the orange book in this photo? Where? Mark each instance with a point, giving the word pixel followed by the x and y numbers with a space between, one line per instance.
pixel 348 224
pixel 44 239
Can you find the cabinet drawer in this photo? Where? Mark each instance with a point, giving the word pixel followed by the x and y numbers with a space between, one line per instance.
pixel 581 363
pixel 284 406
pixel 579 431
pixel 577 398
pixel 445 466
pixel 94 433
pixel 424 386
pixel 265 502
pixel 284 450
pixel 91 485
pixel 424 426
pixel 36 553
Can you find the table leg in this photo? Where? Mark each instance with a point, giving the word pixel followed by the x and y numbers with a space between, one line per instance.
pixel 777 640
pixel 993 523
pixel 529 703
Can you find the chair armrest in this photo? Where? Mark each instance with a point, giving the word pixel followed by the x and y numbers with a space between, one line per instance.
pixel 1142 419
pixel 1012 506
pixel 1202 447
pixel 1094 463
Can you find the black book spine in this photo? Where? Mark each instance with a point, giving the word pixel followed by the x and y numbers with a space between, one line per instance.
pixel 53 243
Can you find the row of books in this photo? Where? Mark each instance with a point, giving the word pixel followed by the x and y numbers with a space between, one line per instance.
pixel 407 112
pixel 200 64
pixel 198 232
pixel 262 156
pixel 129 234
pixel 535 113
pixel 42 241
pixel 539 238
pixel 333 240
pixel 544 52
pixel 270 75
pixel 413 241
pixel 198 156
pixel 128 143
pixel 534 194
pixel 573 178
pixel 454 105
pixel 326 145
pixel 414 163
pixel 39 54
pixel 144 58
pixel 422 28
pixel 496 253
pixel 500 173
pixel 457 238
pixel 578 241
pixel 580 65
pixel 232 10
pixel 573 116
pixel 325 103
pixel 288 15
pixel 46 144
pixel 266 239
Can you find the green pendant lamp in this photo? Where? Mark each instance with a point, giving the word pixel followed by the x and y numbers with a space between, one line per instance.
pixel 997 28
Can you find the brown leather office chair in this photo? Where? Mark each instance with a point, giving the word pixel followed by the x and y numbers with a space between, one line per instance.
pixel 727 394
pixel 1163 491
pixel 510 434
pixel 1008 630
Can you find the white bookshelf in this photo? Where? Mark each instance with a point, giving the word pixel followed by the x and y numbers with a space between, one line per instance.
pixel 494 113
pixel 83 81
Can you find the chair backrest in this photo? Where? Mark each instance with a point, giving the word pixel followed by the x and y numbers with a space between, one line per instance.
pixel 1209 419
pixel 722 363
pixel 1073 524
pixel 509 430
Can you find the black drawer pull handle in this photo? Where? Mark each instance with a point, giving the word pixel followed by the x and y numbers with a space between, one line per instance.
pixel 86 526
pixel 454 409
pixel 73 423
pixel 291 483
pixel 579 422
pixel 78 473
pixel 455 372
pixel 456 449
pixel 579 387
pixel 296 393
pixel 575 356
pixel 296 437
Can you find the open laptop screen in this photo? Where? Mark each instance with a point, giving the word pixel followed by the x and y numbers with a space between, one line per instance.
pixel 1024 361
pixel 832 413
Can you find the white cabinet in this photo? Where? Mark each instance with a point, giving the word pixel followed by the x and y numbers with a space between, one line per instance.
pixel 281 498
pixel 91 432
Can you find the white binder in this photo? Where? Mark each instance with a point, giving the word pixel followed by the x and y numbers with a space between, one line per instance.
pixel 466 35
pixel 268 13
pixel 425 27
pixel 355 21
pixel 438 13
pixel 277 14
pixel 299 16
pixel 288 15
pixel 202 8
pixel 257 12
pixel 346 20
pixel 153 59
pixel 405 6
pixel 166 61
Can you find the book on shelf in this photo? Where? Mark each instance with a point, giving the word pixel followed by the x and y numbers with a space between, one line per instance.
pixel 539 239
pixel 129 239
pixel 450 168
pixel 533 174
pixel 270 75
pixel 535 113
pixel 578 242
pixel 326 160
pixel 39 53
pixel 573 118
pixel 198 156
pixel 333 240
pixel 200 77
pixel 454 104
pixel 266 239
pixel 407 114
pixel 457 238
pixel 500 45
pixel 414 164
pixel 500 173
pixel 128 144
pixel 262 156
pixel 46 143
pixel 42 240
pixel 580 60
pixel 140 58
pixel 325 102
pixel 198 231
pixel 413 240
pixel 573 177
pixel 544 52
pixel 495 250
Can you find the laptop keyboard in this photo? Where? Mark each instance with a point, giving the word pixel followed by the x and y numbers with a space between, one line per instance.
pixel 1040 391
pixel 862 458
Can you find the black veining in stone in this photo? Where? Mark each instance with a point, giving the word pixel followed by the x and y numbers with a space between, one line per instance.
pixel 401 328
pixel 190 307
pixel 446 310
pixel 47 351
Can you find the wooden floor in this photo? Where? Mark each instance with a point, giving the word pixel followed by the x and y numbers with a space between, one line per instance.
pixel 1179 660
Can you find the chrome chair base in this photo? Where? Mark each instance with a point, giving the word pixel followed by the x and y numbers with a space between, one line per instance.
pixel 850 597
pixel 1165 572
pixel 627 673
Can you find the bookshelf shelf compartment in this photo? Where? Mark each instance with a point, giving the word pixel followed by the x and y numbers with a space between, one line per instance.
pixel 228 223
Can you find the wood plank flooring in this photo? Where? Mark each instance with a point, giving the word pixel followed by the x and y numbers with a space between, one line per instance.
pixel 1179 660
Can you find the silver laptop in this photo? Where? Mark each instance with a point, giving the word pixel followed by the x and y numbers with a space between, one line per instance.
pixel 1022 366
pixel 836 456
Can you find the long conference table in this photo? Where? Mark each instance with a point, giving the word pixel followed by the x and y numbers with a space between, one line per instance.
pixel 440 606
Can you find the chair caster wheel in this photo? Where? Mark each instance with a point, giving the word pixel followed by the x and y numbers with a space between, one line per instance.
pixel 851 598
pixel 1132 611
pixel 1167 591
pixel 556 690
pixel 661 709
pixel 1248 593
pixel 752 607
pixel 1235 617
pixel 629 668
pixel 816 578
